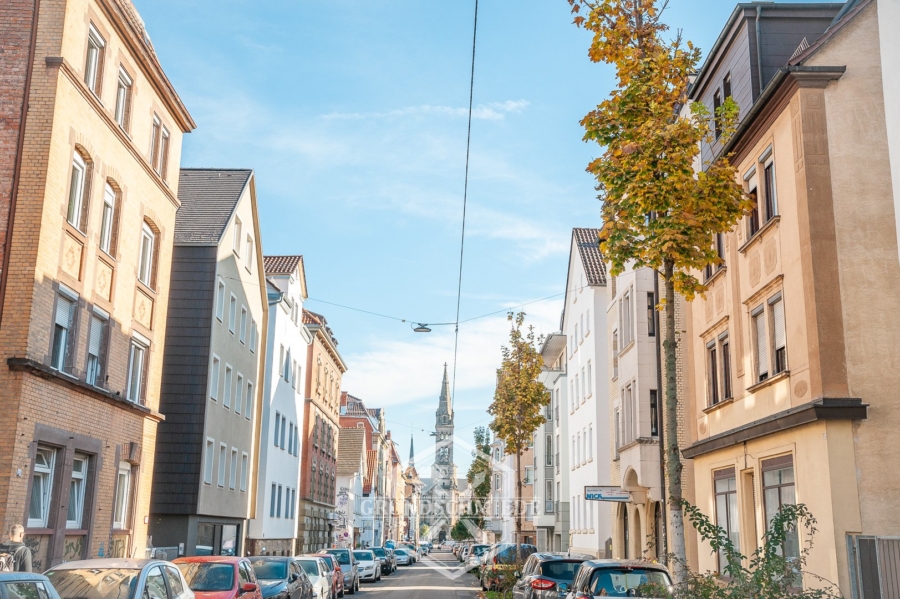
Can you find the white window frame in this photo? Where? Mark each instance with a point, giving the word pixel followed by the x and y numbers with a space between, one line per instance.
pixel 96 350
pixel 108 218
pixel 223 457
pixel 220 300
pixel 248 405
pixel 123 98
pixel 232 471
pixel 77 186
pixel 238 393
pixel 245 459
pixel 77 485
pixel 46 473
pixel 93 69
pixel 243 333
pixel 232 313
pixel 253 334
pixel 236 239
pixel 248 255
pixel 123 497
pixel 62 341
pixel 228 392
pixel 215 374
pixel 209 461
pixel 145 258
pixel 136 385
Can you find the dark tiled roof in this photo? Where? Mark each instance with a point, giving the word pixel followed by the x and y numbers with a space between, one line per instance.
pixel 281 265
pixel 350 450
pixel 208 197
pixel 589 250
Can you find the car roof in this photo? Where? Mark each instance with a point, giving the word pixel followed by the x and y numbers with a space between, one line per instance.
pixel 108 562
pixel 26 576
pixel 218 559
pixel 546 556
pixel 271 558
pixel 625 563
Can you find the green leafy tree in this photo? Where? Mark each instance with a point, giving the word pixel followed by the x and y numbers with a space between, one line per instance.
pixel 460 531
pixel 657 211
pixel 423 531
pixel 479 475
pixel 519 399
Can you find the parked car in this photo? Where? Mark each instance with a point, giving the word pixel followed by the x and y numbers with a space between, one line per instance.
pixel 337 580
pixel 464 553
pixel 114 578
pixel 281 577
pixel 320 574
pixel 473 560
pixel 501 559
pixel 403 557
pixel 411 549
pixel 348 568
pixel 369 566
pixel 26 584
pixel 617 578
pixel 219 577
pixel 547 575
pixel 387 559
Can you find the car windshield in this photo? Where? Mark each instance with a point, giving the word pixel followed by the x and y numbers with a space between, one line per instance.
pixel 636 582
pixel 269 569
pixel 379 552
pixel 342 555
pixel 206 576
pixel 480 549
pixel 400 552
pixel 310 567
pixel 328 562
pixel 560 570
pixel 364 556
pixel 95 583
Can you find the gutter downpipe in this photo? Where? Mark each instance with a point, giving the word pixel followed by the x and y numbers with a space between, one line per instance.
pixel 17 169
pixel 759 49
pixel 662 556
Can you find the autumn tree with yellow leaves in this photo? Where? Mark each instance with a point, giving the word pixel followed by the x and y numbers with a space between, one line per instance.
pixel 519 399
pixel 658 210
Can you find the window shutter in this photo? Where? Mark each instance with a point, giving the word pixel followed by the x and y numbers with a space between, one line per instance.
pixel 63 312
pixel 762 345
pixel 778 321
pixel 96 338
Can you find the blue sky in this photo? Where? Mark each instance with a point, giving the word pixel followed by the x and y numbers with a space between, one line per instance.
pixel 353 115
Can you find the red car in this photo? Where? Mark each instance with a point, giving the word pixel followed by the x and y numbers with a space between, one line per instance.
pixel 219 577
pixel 337 584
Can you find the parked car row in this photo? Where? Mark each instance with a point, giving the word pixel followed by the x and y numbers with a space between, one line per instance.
pixel 329 574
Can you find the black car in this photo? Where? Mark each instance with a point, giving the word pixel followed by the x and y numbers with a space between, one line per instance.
pixel 547 575
pixel 281 578
pixel 386 557
pixel 620 578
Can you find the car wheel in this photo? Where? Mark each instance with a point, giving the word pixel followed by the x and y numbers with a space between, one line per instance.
pixel 357 584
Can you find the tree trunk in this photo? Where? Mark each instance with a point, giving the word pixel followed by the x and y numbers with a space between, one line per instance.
pixel 673 462
pixel 518 502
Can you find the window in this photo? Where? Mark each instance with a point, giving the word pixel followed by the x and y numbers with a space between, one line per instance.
pixel 137 367
pixel 272 501
pixel 123 99
pixel 651 315
pixel 277 427
pixel 278 504
pixel 75 508
pixel 236 240
pixel 548 450
pixel 226 395
pixel 590 387
pixel 529 475
pixel 243 333
pixel 779 489
pixel 496 482
pixel 618 425
pixel 108 220
pixel 297 440
pixel 287 503
pixel 727 516
pixel 232 313
pixel 159 148
pixel 587 322
pixel 252 336
pixel 208 461
pixel 281 434
pixel 220 300
pixel 726 86
pixel 286 365
pixel 752 191
pixel 223 449
pixel 548 497
pixel 654 412
pixel 630 416
pixel 123 494
pixel 214 379
pixel 293 376
pixel 725 349
pixel 244 460
pixel 248 255
pixel 41 487
pixel 232 478
pixel 615 354
pixel 769 190
pixel 64 321
pixel 93 67
pixel 776 305
pixel 762 344
pixel 248 405
pixel 712 368
pixel 78 191
pixel 290 447
pixel 584 387
pixel 96 350
pixel 239 393
pixel 589 438
pixel 717 119
pixel 146 266
pixel 625 319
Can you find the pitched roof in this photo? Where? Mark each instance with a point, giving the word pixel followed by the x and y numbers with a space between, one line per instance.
pixel 371 462
pixel 589 249
pixel 281 265
pixel 351 444
pixel 208 198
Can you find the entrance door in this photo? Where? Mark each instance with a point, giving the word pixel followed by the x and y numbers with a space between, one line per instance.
pixel 442 536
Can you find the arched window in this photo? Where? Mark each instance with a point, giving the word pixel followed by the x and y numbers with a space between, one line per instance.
pixel 109 223
pixel 149 250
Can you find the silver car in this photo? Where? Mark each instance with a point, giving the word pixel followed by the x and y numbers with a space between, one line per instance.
pixel 403 557
pixel 348 566
pixel 109 578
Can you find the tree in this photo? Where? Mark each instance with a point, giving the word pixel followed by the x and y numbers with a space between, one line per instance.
pixel 479 475
pixel 518 399
pixel 460 532
pixel 657 211
pixel 423 531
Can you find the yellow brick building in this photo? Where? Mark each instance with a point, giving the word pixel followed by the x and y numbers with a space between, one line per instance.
pixel 84 295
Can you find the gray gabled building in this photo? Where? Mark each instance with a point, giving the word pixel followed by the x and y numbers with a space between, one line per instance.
pixel 206 449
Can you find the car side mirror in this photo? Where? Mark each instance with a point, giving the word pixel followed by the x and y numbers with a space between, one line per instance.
pixel 294 577
pixel 249 587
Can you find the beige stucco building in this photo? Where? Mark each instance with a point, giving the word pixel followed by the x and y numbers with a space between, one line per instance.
pixel 85 280
pixel 792 350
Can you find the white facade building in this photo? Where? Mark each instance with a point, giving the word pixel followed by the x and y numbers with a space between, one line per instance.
pixel 555 483
pixel 587 409
pixel 275 524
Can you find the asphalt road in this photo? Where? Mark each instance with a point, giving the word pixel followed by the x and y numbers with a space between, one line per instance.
pixel 435 576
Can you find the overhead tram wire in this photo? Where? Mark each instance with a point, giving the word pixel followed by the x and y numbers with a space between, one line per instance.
pixel 462 242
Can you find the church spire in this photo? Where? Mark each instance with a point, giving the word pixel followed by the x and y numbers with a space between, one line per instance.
pixel 412 452
pixel 445 407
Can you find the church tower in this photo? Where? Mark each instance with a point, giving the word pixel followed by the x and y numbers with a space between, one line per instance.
pixel 443 471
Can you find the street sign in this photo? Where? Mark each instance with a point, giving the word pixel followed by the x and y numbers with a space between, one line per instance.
pixel 606 493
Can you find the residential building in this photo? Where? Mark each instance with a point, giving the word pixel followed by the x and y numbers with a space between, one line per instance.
pixel 355 415
pixel 554 377
pixel 351 469
pixel 88 196
pixel 793 376
pixel 543 474
pixel 588 409
pixel 412 496
pixel 273 529
pixel 319 438
pixel 395 494
pixel 636 415
pixel 505 499
pixel 206 450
